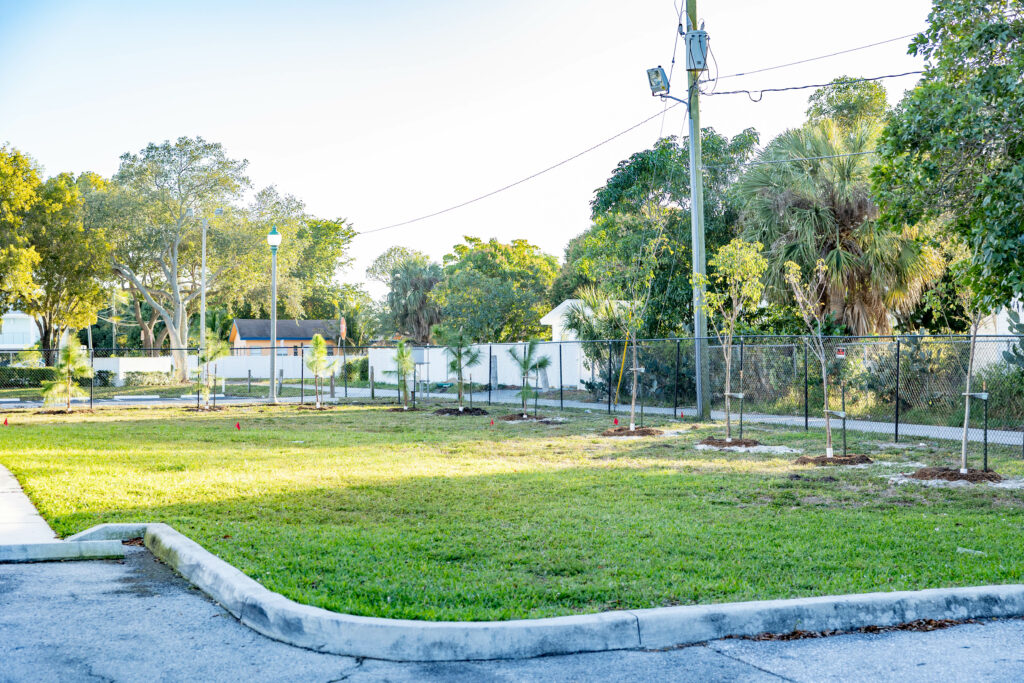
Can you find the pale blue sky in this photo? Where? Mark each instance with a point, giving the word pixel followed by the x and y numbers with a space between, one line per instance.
pixel 381 111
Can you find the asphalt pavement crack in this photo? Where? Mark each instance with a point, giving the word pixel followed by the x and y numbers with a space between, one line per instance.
pixel 753 666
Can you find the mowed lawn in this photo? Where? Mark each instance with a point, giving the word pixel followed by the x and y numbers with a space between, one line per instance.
pixel 365 511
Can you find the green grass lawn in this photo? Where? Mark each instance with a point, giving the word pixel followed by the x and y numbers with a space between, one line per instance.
pixel 371 512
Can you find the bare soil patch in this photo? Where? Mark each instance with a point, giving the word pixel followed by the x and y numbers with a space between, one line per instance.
pixel 61 411
pixel 949 474
pixel 313 407
pixel 211 409
pixel 624 430
pixel 824 460
pixel 455 412
pixel 518 417
pixel 722 443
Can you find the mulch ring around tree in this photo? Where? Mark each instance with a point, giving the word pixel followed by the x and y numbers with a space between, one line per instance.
pixel 722 443
pixel 313 407
pixel 211 409
pixel 949 474
pixel 400 409
pixel 824 460
pixel 624 430
pixel 455 412
pixel 62 411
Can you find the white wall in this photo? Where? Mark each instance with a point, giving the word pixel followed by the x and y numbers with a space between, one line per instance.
pixel 118 366
pixel 382 360
pixel 17 331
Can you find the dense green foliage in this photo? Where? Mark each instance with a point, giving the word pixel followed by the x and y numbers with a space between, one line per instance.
pixel 954 147
pixel 493 291
pixel 847 102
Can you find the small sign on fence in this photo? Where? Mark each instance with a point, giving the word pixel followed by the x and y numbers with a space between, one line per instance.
pixel 840 352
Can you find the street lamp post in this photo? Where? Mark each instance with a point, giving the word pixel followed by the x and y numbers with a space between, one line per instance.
pixel 202 286
pixel 274 240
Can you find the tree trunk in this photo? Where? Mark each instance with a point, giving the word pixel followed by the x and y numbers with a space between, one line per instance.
pixel 636 384
pixel 727 351
pixel 828 422
pixel 967 398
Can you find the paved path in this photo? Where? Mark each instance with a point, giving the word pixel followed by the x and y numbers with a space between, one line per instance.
pixel 20 522
pixel 135 620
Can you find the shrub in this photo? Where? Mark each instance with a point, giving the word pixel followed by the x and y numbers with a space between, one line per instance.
pixel 148 379
pixel 11 377
pixel 358 369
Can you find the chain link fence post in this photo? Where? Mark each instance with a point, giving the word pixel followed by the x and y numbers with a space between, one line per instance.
pixel 561 399
pixel 896 432
pixel 610 354
pixel 807 408
pixel 675 387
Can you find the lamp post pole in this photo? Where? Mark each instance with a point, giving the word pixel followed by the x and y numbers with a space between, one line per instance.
pixel 274 240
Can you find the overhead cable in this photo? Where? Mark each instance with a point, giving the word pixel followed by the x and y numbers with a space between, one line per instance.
pixel 523 180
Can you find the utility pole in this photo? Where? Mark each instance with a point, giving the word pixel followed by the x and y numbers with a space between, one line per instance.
pixel 695 56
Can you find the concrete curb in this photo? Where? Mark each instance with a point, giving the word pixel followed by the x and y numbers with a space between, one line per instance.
pixel 61 550
pixel 282 619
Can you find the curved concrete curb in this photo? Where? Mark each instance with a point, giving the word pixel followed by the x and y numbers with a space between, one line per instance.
pixel 62 550
pixel 282 619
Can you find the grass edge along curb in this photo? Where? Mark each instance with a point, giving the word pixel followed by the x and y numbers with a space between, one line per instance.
pixel 318 629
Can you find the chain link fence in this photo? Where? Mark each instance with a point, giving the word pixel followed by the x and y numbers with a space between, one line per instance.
pixel 904 387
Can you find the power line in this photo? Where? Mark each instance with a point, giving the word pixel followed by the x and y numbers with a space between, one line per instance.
pixel 523 180
pixel 761 91
pixel 813 59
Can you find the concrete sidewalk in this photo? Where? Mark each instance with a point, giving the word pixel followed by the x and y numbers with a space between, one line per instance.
pixel 135 620
pixel 20 522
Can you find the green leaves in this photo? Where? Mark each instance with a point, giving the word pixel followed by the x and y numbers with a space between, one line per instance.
pixel 954 147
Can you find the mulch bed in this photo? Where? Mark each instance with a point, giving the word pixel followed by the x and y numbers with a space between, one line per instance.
pixel 61 411
pixel 722 443
pixel 400 409
pixel 456 412
pixel 624 430
pixel 313 407
pixel 518 417
pixel 824 460
pixel 916 625
pixel 949 474
pixel 211 409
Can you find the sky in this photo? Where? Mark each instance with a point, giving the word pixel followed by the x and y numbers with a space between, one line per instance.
pixel 381 111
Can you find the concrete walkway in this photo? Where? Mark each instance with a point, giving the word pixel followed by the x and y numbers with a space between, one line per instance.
pixel 135 620
pixel 20 522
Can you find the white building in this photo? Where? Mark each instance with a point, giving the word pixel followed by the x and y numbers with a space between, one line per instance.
pixel 18 331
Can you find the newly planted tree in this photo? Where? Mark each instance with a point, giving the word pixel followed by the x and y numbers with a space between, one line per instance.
pixel 461 354
pixel 72 365
pixel 529 362
pixel 319 365
pixel 214 351
pixel 734 287
pixel 404 366
pixel 808 296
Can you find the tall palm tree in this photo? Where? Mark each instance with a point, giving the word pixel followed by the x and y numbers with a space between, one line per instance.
pixel 821 208
pixel 411 310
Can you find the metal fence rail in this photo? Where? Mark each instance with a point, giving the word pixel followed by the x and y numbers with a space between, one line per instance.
pixel 898 386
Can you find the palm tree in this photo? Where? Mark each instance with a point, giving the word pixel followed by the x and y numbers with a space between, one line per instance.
pixel 409 304
pixel 821 209
pixel 461 354
pixel 72 365
pixel 404 366
pixel 319 366
pixel 214 351
pixel 529 362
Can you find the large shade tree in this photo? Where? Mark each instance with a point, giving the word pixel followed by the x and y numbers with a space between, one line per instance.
pixel 156 241
pixel 657 181
pixel 493 291
pixel 19 186
pixel 820 208
pixel 73 268
pixel 954 147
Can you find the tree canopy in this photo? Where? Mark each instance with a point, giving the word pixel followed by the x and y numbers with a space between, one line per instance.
pixel 494 291
pixel 848 102
pixel 954 148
